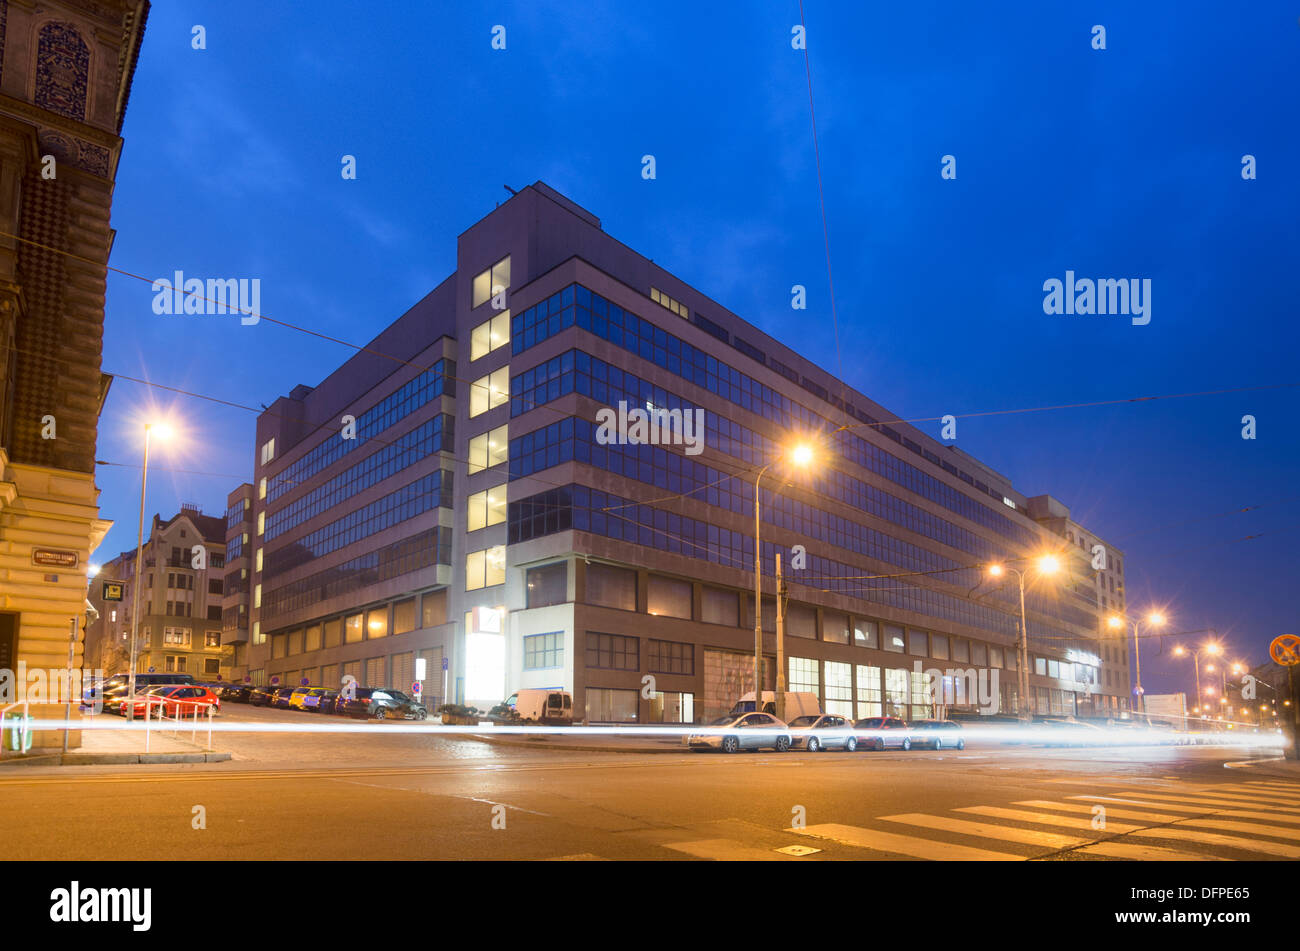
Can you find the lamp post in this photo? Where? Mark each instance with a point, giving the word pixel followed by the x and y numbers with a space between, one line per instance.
pixel 1047 565
pixel 801 455
pixel 1211 649
pixel 1154 619
pixel 163 431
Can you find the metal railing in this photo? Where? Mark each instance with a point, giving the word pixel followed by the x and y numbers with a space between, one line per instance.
pixel 20 730
pixel 182 715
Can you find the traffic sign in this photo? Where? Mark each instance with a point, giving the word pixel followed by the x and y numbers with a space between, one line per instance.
pixel 444 663
pixel 416 688
pixel 1285 649
pixel 112 591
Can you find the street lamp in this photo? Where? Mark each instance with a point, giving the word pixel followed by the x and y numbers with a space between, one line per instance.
pixel 163 431
pixel 1212 649
pixel 1154 619
pixel 1047 565
pixel 801 455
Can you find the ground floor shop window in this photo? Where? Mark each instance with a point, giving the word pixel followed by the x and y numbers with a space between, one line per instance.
pixel 895 692
pixel 606 705
pixel 803 676
pixel 869 695
pixel 839 688
pixel 672 707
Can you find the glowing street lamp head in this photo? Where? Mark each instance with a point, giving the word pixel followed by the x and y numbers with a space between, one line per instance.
pixel 1212 648
pixel 995 571
pixel 1155 618
pixel 1180 651
pixel 160 430
pixel 1115 621
pixel 92 570
pixel 802 454
pixel 1049 565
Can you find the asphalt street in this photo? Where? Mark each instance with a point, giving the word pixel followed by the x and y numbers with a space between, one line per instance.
pixel 321 796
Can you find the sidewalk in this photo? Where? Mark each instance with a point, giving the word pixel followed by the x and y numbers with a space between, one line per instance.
pixel 117 747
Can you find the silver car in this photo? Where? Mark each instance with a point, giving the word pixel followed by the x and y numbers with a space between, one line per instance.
pixel 822 732
pixel 748 731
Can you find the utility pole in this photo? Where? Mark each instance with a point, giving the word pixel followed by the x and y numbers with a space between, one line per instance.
pixel 780 641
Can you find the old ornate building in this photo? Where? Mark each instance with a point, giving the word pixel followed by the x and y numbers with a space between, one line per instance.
pixel 65 76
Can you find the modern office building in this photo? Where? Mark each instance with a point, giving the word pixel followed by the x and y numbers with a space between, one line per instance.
pixel 180 603
pixel 510 479
pixel 65 77
pixel 237 601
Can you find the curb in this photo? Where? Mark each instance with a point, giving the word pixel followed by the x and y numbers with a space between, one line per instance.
pixel 116 759
pixel 570 748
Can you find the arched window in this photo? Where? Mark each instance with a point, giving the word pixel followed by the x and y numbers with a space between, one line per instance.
pixel 62 70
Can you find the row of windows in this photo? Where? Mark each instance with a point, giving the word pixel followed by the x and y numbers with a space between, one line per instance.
pixel 392 561
pixel 237 513
pixel 663 300
pixel 568 439
pixel 406 399
pixel 608 385
pixel 584 509
pixel 425 493
pixel 235 547
pixel 490 335
pixel 593 313
pixel 406 451
pixel 486 508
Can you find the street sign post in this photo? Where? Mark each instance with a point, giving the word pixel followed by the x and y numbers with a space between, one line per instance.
pixel 1285 650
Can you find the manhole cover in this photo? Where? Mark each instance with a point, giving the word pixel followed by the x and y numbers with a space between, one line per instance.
pixel 798 850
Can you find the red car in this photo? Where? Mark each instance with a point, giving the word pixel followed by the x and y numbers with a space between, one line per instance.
pixel 173 700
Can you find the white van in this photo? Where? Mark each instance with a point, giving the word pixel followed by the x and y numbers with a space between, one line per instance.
pixel 553 707
pixel 798 704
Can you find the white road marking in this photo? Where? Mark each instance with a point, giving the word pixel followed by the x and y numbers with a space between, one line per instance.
pixel 917 848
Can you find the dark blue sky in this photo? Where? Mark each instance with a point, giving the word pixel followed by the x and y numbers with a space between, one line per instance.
pixel 1116 164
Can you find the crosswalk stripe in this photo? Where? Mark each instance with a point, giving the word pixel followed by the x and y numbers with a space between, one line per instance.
pixel 1212 802
pixel 988 830
pixel 1253 828
pixel 1229 841
pixel 1043 819
pixel 1250 794
pixel 1161 817
pixel 880 841
pixel 1273 783
pixel 1110 810
pixel 1278 788
pixel 727 850
pixel 1145 853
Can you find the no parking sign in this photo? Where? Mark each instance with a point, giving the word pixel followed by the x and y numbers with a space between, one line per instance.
pixel 415 689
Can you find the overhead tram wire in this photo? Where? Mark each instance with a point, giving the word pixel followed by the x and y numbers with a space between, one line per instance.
pixel 562 413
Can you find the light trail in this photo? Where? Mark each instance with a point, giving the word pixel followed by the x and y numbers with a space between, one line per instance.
pixel 1010 734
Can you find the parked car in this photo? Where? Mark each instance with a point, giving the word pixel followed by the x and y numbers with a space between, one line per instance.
pixel 823 732
pixel 114 689
pixel 936 734
pixel 261 696
pixel 307 698
pixel 749 731
pixel 280 699
pixel 382 703
pixel 235 693
pixel 328 699
pixel 878 733
pixel 175 700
